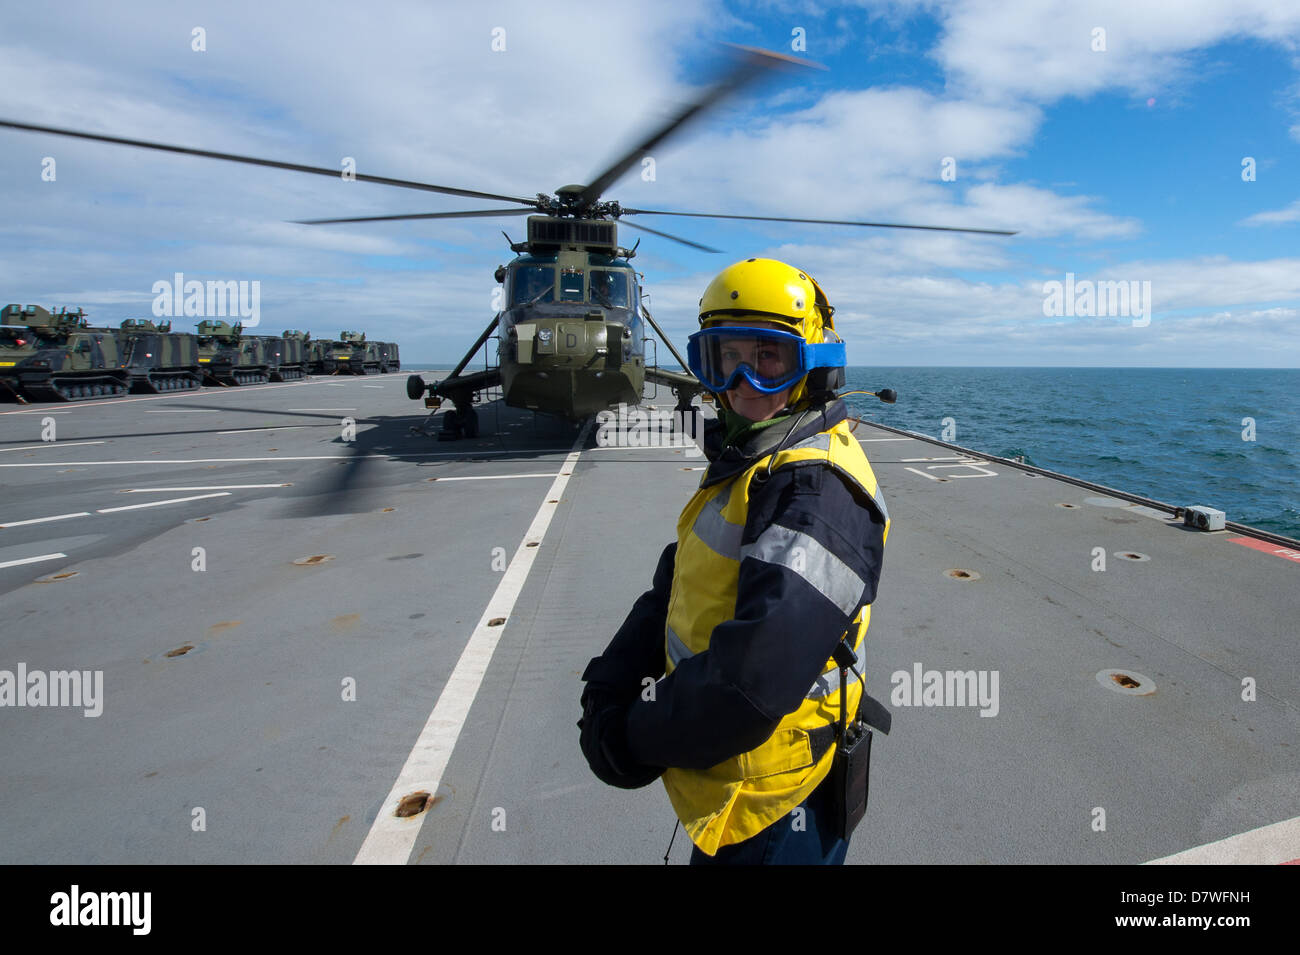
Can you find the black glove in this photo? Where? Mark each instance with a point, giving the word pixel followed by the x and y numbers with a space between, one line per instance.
pixel 604 743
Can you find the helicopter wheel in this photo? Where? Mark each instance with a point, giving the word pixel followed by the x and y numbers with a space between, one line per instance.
pixel 451 426
pixel 469 423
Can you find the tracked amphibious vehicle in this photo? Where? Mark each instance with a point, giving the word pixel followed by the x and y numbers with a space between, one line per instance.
pixel 286 356
pixel 228 357
pixel 159 359
pixel 47 356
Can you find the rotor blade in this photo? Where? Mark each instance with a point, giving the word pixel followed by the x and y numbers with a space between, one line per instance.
pixel 878 225
pixel 420 215
pixel 249 160
pixel 750 64
pixel 675 238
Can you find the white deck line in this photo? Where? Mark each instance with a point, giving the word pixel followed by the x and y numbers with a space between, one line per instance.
pixel 175 500
pixel 52 444
pixel 391 839
pixel 42 520
pixel 1267 845
pixel 30 560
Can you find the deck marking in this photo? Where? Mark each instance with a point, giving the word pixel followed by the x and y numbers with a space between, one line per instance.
pixel 210 392
pixel 1278 844
pixel 1150 512
pixel 182 411
pixel 42 520
pixel 175 500
pixel 209 487
pixel 963 462
pixel 322 409
pixel 656 447
pixel 493 477
pixel 31 560
pixel 52 444
pixel 391 839
pixel 287 427
pixel 315 457
pixel 1274 549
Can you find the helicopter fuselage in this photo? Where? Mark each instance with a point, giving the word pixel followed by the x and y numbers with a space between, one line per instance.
pixel 572 338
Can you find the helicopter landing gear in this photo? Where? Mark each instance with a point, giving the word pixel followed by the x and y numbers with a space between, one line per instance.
pixel 458 423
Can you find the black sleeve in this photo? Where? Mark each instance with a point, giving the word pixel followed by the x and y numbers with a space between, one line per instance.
pixel 811 556
pixel 637 650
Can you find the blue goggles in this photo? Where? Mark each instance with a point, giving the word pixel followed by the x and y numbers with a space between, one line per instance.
pixel 768 359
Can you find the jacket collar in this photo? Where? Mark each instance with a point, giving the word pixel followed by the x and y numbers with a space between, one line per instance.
pixel 726 463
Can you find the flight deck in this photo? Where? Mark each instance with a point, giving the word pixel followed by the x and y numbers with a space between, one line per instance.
pixel 304 609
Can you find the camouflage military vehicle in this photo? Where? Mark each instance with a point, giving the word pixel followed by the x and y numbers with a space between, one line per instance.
pixel 159 359
pixel 286 356
pixel 339 357
pixel 228 357
pixel 368 358
pixel 313 354
pixel 58 357
pixel 381 357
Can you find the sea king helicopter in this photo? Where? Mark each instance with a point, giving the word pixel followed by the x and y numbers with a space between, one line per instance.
pixel 571 332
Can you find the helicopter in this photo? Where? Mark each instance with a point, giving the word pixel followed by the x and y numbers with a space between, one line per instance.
pixel 572 330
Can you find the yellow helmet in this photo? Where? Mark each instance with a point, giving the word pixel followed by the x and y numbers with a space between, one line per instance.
pixel 765 290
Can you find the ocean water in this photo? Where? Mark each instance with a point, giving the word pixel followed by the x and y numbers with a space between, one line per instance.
pixel 1173 434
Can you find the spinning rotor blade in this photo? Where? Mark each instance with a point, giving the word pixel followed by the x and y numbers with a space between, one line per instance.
pixel 878 225
pixel 421 215
pixel 750 65
pixel 251 161
pixel 675 238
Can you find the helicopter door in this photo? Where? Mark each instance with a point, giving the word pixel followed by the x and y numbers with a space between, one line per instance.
pixel 652 361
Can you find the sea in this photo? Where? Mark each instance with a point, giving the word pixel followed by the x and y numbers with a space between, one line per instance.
pixel 1222 437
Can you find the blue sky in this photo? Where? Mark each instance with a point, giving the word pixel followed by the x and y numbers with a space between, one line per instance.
pixel 1115 164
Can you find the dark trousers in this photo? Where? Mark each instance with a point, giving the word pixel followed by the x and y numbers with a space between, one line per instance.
pixel 782 843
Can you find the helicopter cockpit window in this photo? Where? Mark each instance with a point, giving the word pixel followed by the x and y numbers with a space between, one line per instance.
pixel 533 282
pixel 609 288
pixel 571 285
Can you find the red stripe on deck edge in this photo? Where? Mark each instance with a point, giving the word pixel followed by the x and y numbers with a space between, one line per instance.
pixel 1267 548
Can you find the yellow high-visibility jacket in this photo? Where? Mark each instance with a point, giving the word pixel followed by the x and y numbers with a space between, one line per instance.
pixel 777 558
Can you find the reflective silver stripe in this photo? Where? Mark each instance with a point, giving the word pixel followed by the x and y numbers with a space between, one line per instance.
pixel 805 556
pixel 818 442
pixel 822 442
pixel 879 498
pixel 721 536
pixel 678 651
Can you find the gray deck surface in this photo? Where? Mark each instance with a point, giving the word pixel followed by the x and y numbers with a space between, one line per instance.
pixel 251 726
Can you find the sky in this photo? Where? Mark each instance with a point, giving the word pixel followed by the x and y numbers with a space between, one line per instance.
pixel 1153 144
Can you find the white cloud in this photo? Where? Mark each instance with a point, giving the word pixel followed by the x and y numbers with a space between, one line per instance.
pixel 1043 51
pixel 1275 217
pixel 416 92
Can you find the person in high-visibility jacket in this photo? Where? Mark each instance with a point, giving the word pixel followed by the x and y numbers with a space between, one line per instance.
pixel 777 559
